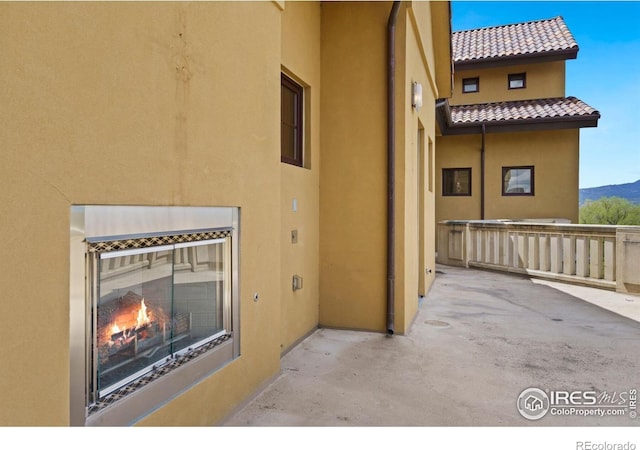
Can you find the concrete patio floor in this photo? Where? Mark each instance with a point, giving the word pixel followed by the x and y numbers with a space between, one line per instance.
pixel 479 339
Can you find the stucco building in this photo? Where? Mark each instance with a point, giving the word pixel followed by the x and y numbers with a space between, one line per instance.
pixel 509 137
pixel 191 188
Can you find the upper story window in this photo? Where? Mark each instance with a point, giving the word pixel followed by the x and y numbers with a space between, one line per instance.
pixel 291 119
pixel 456 182
pixel 517 180
pixel 470 85
pixel 517 80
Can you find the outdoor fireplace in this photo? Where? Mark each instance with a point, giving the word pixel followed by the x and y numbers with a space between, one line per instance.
pixel 159 308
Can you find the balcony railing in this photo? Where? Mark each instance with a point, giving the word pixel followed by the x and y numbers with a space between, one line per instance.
pixel 600 256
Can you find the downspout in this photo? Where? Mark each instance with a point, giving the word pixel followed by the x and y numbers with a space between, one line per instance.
pixel 484 132
pixel 391 166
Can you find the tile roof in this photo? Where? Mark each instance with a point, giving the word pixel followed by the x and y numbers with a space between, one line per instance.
pixel 539 109
pixel 517 40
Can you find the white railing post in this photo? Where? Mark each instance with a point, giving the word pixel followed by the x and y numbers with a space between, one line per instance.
pixel 468 248
pixel 471 243
pixel 545 256
pixel 523 250
pixel 596 268
pixel 492 247
pixel 628 260
pixel 582 256
pixel 555 253
pixel 610 259
pixel 534 252
pixel 569 254
pixel 513 249
pixel 503 243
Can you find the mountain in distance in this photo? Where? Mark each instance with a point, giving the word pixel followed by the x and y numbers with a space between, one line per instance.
pixel 629 191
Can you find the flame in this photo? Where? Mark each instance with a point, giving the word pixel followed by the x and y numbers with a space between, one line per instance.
pixel 143 318
pixel 140 317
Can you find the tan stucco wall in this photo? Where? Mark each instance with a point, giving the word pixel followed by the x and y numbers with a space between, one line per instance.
pixel 353 173
pixel 441 44
pixel 301 60
pixel 554 154
pixel 353 183
pixel 417 231
pixel 544 80
pixel 134 104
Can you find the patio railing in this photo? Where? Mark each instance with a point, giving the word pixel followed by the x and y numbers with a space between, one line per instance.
pixel 601 256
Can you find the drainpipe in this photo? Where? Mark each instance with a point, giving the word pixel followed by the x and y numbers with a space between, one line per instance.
pixel 391 166
pixel 484 132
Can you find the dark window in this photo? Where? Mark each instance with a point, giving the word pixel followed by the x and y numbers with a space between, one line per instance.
pixel 517 80
pixel 291 121
pixel 456 182
pixel 517 180
pixel 470 85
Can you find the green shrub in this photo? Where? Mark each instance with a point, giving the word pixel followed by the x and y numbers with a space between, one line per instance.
pixel 610 211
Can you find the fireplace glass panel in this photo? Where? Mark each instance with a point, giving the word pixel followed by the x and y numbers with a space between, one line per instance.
pixel 156 303
pixel 133 318
pixel 199 283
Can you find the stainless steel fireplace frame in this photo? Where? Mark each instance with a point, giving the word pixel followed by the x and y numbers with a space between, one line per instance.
pixel 90 224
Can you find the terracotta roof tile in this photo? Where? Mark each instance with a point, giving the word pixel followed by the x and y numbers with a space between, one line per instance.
pixel 547 108
pixel 529 38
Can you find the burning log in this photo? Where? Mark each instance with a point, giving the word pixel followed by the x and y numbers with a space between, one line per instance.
pixel 130 313
pixel 132 326
pixel 130 332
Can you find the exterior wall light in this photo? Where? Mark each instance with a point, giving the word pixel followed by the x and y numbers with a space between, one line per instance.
pixel 416 95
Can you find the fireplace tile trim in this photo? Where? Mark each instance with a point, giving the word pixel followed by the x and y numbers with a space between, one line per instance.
pixel 114 244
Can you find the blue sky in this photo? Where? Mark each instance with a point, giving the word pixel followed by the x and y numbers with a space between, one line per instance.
pixel 606 74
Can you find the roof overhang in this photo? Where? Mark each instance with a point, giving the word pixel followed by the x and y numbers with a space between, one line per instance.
pixel 448 128
pixel 531 58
